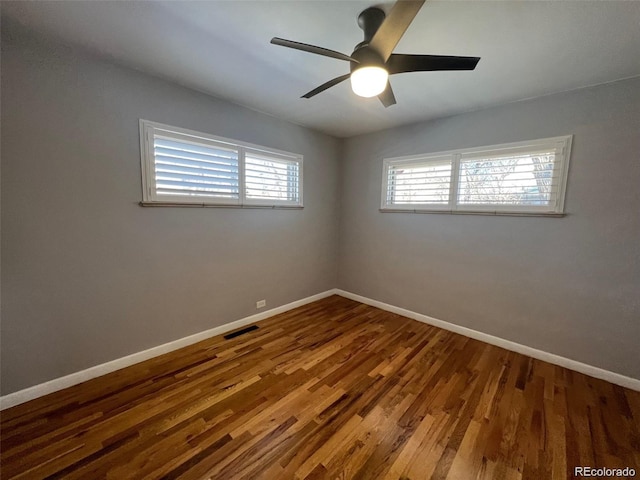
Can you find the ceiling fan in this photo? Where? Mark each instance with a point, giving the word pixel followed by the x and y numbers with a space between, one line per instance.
pixel 372 60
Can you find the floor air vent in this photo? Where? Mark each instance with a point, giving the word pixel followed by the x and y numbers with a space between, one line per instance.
pixel 237 333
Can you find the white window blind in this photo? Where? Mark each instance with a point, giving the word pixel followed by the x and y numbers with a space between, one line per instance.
pixel 420 182
pixel 526 177
pixel 271 177
pixel 190 169
pixel 519 178
pixel 185 167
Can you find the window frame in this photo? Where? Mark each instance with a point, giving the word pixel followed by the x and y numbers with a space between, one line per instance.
pixel 561 144
pixel 149 130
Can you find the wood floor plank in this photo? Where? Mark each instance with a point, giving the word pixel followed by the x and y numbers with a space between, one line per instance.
pixel 333 389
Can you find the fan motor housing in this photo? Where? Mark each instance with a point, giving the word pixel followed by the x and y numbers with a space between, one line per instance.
pixel 367 57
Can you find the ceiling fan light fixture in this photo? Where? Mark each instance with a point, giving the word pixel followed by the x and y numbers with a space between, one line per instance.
pixel 373 60
pixel 369 81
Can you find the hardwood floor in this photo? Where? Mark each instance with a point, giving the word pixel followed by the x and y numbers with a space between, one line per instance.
pixel 334 389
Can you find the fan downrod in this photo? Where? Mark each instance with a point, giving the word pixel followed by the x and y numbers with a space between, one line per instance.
pixel 369 21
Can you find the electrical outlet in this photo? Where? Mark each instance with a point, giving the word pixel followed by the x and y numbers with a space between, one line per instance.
pixel 261 303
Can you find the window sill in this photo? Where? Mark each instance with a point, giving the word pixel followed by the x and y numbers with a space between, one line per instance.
pixel 471 212
pixel 213 205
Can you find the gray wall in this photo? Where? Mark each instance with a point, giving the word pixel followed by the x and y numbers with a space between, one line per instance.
pixel 88 275
pixel 570 286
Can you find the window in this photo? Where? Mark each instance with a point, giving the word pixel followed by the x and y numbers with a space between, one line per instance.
pixel 526 177
pixel 184 167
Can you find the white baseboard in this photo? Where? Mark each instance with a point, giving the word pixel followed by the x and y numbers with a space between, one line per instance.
pixel 56 384
pixel 616 378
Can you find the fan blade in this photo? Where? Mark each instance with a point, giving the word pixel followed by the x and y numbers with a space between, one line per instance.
pixel 326 85
pixel 387 97
pixel 325 52
pixel 400 63
pixel 394 26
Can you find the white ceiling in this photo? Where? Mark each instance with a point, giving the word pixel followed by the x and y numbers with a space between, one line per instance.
pixel 222 48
